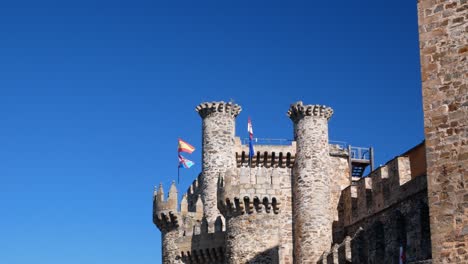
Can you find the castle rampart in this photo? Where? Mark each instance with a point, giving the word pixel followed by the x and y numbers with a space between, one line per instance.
pixel 382 188
pixel 382 212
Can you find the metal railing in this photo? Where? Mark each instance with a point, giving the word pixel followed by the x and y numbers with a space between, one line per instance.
pixel 268 141
pixel 360 153
pixel 355 152
pixel 282 141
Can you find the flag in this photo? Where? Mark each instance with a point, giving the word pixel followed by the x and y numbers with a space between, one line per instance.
pixel 402 255
pixel 250 130
pixel 185 147
pixel 185 163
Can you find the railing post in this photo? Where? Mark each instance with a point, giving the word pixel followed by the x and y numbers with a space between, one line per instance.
pixel 350 164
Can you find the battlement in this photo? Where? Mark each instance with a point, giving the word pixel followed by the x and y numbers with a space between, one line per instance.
pixel 299 110
pixel 193 192
pixel 281 156
pixel 383 187
pixel 203 247
pixel 160 204
pixel 195 240
pixel 206 255
pixel 166 213
pixel 339 253
pixel 207 108
pixel 277 156
pixel 241 194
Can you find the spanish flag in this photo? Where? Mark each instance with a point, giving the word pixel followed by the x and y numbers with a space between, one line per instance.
pixel 185 147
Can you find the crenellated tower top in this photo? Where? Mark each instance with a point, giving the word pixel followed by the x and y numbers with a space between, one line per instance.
pixel 298 110
pixel 166 214
pixel 207 108
pixel 238 195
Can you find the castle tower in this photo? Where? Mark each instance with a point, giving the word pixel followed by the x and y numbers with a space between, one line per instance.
pixel 251 209
pixel 218 150
pixel 311 182
pixel 444 67
pixel 165 217
pixel 178 227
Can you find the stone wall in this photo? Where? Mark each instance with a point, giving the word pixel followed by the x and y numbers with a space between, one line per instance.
pixel 170 252
pixel 251 204
pixel 273 163
pixel 339 181
pixel 382 212
pixel 444 72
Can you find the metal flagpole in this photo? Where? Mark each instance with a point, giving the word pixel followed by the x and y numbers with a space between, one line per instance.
pixel 178 165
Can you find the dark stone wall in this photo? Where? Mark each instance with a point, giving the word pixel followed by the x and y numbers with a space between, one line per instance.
pixel 378 238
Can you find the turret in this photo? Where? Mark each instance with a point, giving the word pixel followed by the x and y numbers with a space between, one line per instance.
pixel 185 232
pixel 218 150
pixel 174 224
pixel 311 182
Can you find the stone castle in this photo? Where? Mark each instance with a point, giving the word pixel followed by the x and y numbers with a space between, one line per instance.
pixel 308 201
pixel 293 200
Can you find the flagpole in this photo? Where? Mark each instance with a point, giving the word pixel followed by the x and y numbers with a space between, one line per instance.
pixel 178 163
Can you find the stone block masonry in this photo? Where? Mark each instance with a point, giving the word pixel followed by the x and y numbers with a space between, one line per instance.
pixel 311 182
pixel 444 71
pixel 252 212
pixel 218 150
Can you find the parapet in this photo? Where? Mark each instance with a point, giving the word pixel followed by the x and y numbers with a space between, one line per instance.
pixel 382 188
pixel 298 110
pixel 202 247
pixel 206 255
pixel 207 108
pixel 167 216
pixel 240 194
pixel 277 156
pixel 339 253
pixel 193 192
pixel 194 240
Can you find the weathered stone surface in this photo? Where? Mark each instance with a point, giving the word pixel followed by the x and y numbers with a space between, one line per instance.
pixel 444 70
pixel 171 252
pixel 253 238
pixel 311 182
pixel 218 150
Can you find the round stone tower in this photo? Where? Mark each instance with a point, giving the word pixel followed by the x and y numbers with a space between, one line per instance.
pixel 218 151
pixel 311 182
pixel 165 216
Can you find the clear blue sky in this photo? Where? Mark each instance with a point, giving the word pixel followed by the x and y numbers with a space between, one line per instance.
pixel 93 95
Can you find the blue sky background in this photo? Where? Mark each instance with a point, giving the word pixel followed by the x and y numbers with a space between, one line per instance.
pixel 93 95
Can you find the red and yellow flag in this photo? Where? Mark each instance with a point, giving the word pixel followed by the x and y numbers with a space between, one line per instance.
pixel 185 147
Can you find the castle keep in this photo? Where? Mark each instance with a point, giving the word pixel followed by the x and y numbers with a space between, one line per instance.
pixel 301 202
